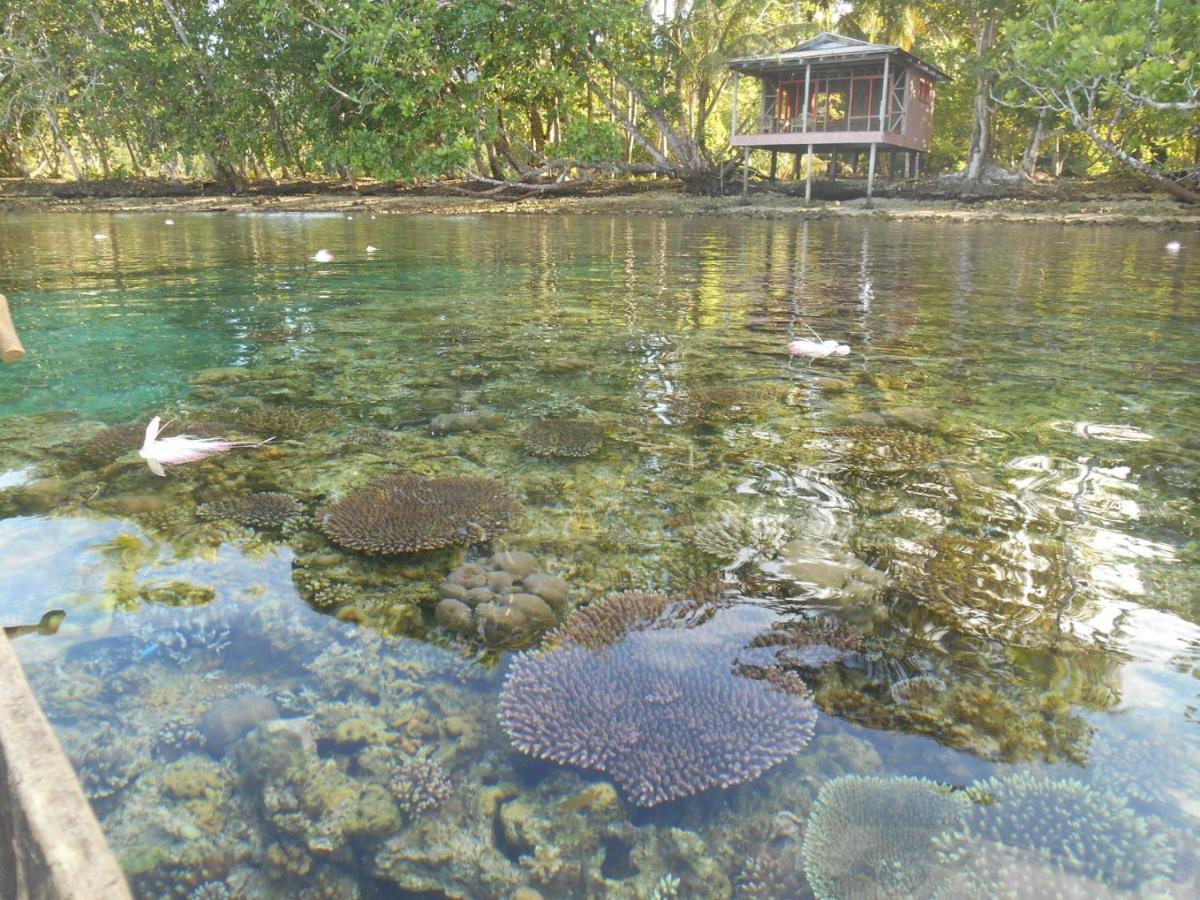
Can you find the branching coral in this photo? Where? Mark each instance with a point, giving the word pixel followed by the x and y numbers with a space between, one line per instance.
pixel 1024 829
pixel 267 509
pixel 408 514
pixel 739 537
pixel 563 437
pixel 874 837
pixel 651 696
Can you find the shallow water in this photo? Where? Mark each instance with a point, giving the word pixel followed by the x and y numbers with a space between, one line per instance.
pixel 993 494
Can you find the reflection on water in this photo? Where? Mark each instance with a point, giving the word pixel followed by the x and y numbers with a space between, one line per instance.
pixel 924 615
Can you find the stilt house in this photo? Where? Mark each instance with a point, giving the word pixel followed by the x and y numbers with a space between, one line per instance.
pixel 834 94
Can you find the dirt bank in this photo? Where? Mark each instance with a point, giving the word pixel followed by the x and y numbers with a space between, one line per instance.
pixel 1074 206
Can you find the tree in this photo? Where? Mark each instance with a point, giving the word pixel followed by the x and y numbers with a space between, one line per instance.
pixel 1125 73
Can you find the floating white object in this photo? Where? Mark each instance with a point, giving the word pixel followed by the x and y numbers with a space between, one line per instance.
pixel 99 236
pixel 169 222
pixel 1173 246
pixel 322 256
pixel 182 448
pixel 349 218
pixel 817 349
pixel 371 249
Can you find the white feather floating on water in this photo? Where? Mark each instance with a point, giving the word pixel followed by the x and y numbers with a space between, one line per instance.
pixel 168 221
pixel 817 349
pixel 99 236
pixel 322 256
pixel 1173 247
pixel 181 448
pixel 371 249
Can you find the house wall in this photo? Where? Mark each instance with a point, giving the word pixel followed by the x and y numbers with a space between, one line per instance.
pixel 918 119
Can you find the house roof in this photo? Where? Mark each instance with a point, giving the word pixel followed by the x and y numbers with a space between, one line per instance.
pixel 828 47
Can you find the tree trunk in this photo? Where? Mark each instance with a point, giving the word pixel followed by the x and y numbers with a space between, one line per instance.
pixel 1172 187
pixel 979 156
pixel 1034 147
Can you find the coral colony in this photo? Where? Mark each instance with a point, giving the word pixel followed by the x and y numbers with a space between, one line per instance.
pixel 631 687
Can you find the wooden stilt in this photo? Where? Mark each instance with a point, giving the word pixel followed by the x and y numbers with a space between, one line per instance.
pixel 833 165
pixel 808 177
pixel 10 345
pixel 773 163
pixel 745 172
pixel 871 176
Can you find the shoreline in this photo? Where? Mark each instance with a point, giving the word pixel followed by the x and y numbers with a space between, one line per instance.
pixel 1135 210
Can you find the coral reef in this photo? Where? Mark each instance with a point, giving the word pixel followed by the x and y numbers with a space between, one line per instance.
pixel 875 837
pixel 106 446
pixel 408 514
pixel 721 403
pixel 811 642
pixel 738 537
pixel 267 509
pixel 648 699
pixel 287 421
pixel 1025 831
pixel 502 600
pixel 916 690
pixel 563 437
pixel 460 422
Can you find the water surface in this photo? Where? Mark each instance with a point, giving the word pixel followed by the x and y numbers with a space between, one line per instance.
pixel 994 493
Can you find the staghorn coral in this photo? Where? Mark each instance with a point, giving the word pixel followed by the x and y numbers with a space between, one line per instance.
pixel 408 514
pixel 183 635
pixel 917 690
pixel 1026 830
pixel 873 837
pixel 267 509
pixel 646 691
pixel 419 784
pixel 738 536
pixel 563 437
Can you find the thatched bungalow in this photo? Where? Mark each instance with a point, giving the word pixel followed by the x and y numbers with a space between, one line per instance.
pixel 835 94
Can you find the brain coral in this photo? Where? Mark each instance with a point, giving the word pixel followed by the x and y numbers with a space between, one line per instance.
pixel 873 837
pixel 563 437
pixel 647 690
pixel 1026 832
pixel 407 514
pixel 267 509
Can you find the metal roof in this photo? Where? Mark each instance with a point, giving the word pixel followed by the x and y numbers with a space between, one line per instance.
pixel 828 47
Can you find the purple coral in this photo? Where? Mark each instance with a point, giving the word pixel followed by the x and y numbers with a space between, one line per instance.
pixel 408 514
pixel 648 690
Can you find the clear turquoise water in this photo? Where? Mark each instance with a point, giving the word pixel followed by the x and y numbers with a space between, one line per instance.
pixel 997 488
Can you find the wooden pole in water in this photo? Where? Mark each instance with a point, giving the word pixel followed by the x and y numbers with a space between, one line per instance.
pixel 10 345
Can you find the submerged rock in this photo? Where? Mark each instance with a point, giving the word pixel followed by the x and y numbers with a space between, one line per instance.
pixel 231 719
pixel 502 600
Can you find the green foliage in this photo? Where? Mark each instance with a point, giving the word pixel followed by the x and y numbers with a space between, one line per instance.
pixel 424 88
pixel 591 142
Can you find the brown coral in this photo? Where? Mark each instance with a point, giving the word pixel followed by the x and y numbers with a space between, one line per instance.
pixel 648 691
pixel 287 421
pixel 408 514
pixel 563 437
pixel 721 403
pixel 267 509
pixel 810 643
